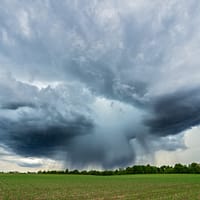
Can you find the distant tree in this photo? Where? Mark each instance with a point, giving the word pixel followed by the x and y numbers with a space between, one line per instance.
pixel 84 172
pixel 136 169
pixel 179 168
pixel 194 168
pixel 129 170
pixel 74 172
pixel 107 173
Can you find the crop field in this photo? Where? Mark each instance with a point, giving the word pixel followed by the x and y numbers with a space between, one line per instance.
pixel 56 187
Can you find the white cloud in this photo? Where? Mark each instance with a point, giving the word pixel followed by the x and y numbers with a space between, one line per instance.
pixel 186 156
pixel 11 162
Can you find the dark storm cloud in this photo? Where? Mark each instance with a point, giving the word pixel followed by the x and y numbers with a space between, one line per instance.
pixel 16 105
pixel 105 82
pixel 31 140
pixel 97 151
pixel 45 124
pixel 174 113
pixel 88 51
pixel 95 82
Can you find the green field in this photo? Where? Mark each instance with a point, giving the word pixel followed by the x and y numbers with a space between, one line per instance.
pixel 56 187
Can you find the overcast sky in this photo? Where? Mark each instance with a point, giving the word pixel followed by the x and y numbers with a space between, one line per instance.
pixel 98 83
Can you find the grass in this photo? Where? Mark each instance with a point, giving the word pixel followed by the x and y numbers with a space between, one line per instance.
pixel 57 187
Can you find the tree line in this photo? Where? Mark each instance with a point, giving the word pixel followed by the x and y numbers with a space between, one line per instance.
pixel 193 168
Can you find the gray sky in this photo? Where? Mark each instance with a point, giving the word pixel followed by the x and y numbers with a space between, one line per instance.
pixel 98 84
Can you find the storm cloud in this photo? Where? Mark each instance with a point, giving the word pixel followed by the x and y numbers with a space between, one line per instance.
pixel 174 113
pixel 98 83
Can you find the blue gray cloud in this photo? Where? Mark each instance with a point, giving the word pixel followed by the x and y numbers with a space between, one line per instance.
pixel 94 82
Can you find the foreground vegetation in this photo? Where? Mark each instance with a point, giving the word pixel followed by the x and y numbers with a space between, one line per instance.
pixel 60 187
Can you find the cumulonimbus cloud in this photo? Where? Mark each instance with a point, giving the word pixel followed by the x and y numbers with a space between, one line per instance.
pixel 121 76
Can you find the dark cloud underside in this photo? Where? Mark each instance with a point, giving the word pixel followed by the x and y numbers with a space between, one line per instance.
pixel 174 113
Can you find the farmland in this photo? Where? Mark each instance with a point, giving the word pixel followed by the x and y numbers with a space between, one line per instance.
pixel 57 187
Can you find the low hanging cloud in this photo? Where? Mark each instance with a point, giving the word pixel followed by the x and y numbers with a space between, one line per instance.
pixel 94 83
pixel 44 124
pixel 174 113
